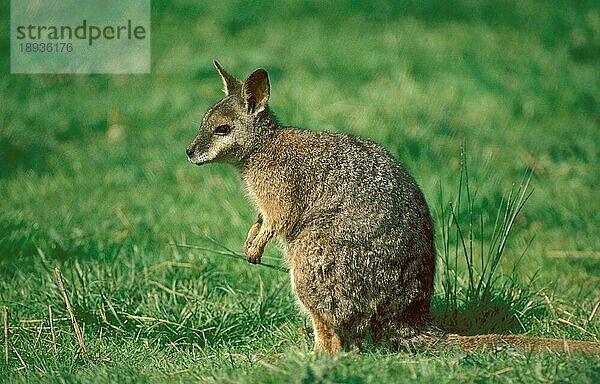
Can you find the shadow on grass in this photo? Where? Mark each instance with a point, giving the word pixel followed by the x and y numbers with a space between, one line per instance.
pixel 504 310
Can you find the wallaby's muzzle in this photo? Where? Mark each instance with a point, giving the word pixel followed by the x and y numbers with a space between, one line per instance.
pixel 193 156
pixel 196 152
pixel 189 151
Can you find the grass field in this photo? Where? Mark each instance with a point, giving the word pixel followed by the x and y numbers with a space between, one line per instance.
pixel 94 180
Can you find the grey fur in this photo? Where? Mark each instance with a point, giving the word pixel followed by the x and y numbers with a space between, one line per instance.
pixel 355 226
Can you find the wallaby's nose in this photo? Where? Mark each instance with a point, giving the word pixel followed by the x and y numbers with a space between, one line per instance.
pixel 190 151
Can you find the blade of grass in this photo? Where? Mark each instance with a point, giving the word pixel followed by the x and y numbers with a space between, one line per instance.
pixel 228 253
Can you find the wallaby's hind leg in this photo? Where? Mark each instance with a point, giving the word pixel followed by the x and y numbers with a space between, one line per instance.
pixel 314 288
pixel 326 338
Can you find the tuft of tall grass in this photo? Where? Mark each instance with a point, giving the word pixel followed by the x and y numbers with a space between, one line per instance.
pixel 476 297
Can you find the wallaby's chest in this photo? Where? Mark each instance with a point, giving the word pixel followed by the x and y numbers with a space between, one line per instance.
pixel 274 198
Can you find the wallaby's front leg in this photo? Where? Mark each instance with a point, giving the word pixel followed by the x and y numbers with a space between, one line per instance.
pixel 254 229
pixel 258 236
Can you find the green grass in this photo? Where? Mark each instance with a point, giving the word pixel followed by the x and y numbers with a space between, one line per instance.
pixel 94 179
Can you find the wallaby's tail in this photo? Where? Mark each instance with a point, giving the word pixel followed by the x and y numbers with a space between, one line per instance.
pixel 431 337
pixel 522 343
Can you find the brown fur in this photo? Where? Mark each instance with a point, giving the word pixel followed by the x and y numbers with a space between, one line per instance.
pixel 355 227
pixel 523 343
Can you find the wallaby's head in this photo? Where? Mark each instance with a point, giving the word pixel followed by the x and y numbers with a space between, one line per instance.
pixel 236 126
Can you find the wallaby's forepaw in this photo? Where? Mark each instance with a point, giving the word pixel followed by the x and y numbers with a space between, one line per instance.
pixel 254 254
pixel 252 250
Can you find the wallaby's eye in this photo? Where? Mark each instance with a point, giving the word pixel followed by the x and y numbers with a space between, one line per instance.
pixel 222 130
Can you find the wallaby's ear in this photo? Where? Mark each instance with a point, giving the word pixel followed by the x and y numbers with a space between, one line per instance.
pixel 256 90
pixel 231 84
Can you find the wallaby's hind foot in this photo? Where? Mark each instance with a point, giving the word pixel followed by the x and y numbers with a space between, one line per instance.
pixel 326 338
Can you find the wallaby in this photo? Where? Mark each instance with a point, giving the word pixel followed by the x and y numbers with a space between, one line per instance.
pixel 354 225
